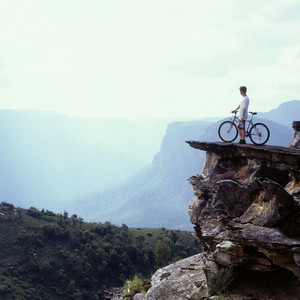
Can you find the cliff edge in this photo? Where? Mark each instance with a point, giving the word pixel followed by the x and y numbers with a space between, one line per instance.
pixel 247 218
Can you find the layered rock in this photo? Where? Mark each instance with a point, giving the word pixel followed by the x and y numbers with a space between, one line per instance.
pixel 247 217
pixel 295 142
pixel 247 207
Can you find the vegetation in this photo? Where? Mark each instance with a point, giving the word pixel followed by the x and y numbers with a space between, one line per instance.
pixel 137 284
pixel 221 282
pixel 53 256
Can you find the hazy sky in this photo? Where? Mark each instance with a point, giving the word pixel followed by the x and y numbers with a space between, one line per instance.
pixel 148 58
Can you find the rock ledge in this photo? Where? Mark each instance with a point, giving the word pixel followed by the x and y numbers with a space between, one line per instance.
pixel 247 217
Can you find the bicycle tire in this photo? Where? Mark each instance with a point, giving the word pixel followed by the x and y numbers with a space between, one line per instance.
pixel 227 132
pixel 259 134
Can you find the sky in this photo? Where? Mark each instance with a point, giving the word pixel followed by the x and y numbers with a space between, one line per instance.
pixel 144 59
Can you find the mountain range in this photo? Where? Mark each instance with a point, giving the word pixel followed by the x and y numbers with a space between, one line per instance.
pixel 159 195
pixel 99 169
pixel 47 158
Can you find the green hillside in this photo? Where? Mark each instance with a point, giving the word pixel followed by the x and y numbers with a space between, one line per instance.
pixel 44 255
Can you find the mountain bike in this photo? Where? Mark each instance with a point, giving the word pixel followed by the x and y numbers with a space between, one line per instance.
pixel 258 133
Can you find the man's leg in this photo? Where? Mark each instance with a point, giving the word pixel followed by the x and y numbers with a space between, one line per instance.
pixel 242 134
pixel 239 130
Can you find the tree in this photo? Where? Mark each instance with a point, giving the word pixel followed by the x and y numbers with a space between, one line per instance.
pixel 65 214
pixel 34 212
pixel 74 219
pixel 173 236
pixel 10 210
pixel 80 223
pixel 139 240
pixel 162 254
pixel 19 213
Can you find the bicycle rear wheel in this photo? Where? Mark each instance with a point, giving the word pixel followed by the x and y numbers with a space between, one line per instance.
pixel 227 132
pixel 259 134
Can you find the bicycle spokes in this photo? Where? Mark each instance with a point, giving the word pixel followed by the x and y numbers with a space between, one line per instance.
pixel 227 132
pixel 259 133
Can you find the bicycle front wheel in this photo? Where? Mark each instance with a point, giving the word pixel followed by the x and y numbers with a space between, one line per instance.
pixel 259 134
pixel 227 132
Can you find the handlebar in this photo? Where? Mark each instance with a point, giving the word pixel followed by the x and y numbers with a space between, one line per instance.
pixel 250 112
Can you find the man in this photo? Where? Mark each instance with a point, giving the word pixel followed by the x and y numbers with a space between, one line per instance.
pixel 243 114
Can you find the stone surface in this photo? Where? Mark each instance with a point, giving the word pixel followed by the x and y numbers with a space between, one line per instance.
pixel 181 281
pixel 246 211
pixel 139 296
pixel 114 293
pixel 295 142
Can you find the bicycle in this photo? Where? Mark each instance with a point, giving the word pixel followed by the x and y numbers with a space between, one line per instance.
pixel 259 133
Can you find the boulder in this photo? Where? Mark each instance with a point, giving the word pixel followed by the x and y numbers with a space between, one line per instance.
pixel 182 280
pixel 139 296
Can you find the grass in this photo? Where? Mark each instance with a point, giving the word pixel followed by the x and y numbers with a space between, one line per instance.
pixel 220 282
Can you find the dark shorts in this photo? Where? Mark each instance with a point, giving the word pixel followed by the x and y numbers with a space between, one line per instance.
pixel 241 125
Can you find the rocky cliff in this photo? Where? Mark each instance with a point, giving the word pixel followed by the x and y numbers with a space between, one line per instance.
pixel 295 142
pixel 247 217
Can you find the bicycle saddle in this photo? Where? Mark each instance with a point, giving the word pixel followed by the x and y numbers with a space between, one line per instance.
pixel 253 113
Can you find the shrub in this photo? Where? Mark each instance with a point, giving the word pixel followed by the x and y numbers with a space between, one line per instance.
pixel 3 289
pixel 50 230
pixel 33 212
pixel 220 282
pixel 50 213
pixel 135 285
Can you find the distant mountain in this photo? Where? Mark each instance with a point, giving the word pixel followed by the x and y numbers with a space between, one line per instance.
pixel 54 161
pixel 43 160
pixel 121 135
pixel 285 113
pixel 49 158
pixel 160 194
pixel 157 196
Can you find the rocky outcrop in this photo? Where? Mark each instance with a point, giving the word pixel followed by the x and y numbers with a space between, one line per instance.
pixel 247 207
pixel 295 142
pixel 247 217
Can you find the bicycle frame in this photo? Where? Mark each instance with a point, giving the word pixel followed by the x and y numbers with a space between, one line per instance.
pixel 258 133
pixel 235 120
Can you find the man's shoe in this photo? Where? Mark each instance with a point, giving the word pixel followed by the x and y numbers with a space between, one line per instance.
pixel 242 142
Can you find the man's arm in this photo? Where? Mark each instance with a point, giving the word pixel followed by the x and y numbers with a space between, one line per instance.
pixel 235 110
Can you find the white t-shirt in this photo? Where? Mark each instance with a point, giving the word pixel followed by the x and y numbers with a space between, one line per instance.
pixel 244 105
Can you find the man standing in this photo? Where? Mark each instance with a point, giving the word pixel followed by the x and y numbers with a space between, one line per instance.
pixel 243 114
